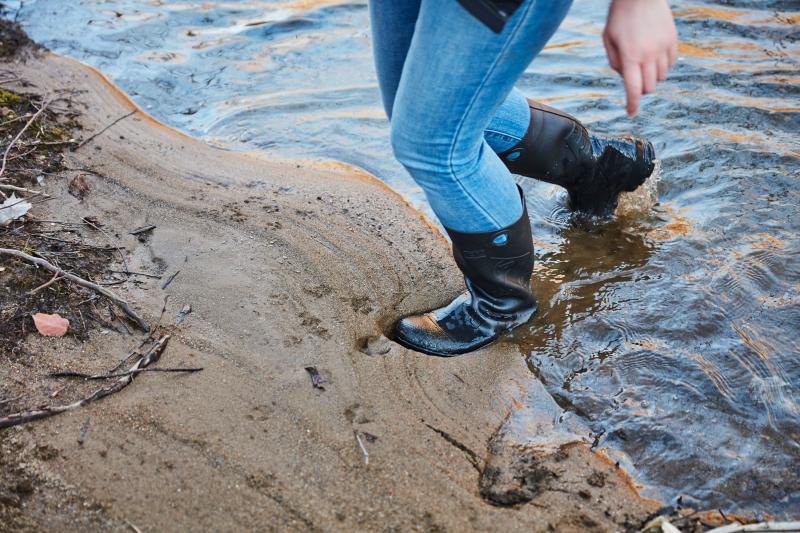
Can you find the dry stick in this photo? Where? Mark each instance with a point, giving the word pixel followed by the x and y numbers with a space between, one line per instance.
pixel 122 304
pixel 15 203
pixel 363 448
pixel 9 400
pixel 95 377
pixel 163 310
pixel 133 527
pixel 131 273
pixel 55 278
pixel 32 200
pixel 169 280
pixel 11 121
pixel 143 229
pixel 21 189
pixel 15 139
pixel 119 249
pixel 147 359
pixel 115 317
pixel 125 359
pixel 83 142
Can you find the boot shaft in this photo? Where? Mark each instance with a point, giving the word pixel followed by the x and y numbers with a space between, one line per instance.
pixel 556 148
pixel 499 264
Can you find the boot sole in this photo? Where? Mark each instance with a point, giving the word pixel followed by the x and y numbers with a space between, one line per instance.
pixel 405 344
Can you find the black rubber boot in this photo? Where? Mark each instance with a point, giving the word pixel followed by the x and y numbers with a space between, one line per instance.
pixel 497 268
pixel 594 169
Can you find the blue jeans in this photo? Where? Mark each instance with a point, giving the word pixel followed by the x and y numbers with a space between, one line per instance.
pixel 447 83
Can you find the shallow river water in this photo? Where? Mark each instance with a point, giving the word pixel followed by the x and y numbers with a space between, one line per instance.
pixel 673 332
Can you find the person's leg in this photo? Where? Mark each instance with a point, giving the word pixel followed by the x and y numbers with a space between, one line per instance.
pixel 392 24
pixel 456 76
pixel 392 27
pixel 509 123
pixel 533 140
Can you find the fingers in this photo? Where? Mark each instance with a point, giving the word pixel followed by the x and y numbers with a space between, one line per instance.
pixel 613 54
pixel 649 77
pixel 673 53
pixel 662 66
pixel 632 76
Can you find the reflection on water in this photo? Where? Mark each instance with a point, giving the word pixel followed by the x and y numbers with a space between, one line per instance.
pixel 673 332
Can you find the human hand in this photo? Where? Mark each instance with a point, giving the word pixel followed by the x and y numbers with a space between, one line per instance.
pixel 641 43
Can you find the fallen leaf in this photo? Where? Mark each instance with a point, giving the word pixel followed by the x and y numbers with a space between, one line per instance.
pixel 317 379
pixel 12 209
pixel 50 325
pixel 79 187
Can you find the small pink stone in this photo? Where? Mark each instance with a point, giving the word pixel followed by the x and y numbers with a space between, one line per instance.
pixel 50 325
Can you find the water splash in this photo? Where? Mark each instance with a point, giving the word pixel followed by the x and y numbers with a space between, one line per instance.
pixel 641 201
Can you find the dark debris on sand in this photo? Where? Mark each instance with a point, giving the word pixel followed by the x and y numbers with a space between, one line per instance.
pixel 12 38
pixel 34 134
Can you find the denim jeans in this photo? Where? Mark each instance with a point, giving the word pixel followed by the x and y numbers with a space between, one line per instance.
pixel 447 84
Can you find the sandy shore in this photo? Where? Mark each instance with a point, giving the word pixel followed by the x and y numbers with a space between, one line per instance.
pixel 285 266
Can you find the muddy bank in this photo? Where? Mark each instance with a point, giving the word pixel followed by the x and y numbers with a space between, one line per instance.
pixel 285 267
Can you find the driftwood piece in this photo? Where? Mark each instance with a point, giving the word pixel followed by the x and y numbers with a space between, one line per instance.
pixel 150 357
pixel 119 302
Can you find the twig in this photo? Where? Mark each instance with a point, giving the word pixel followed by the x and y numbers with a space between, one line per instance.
pixel 143 229
pixel 126 358
pixel 33 200
pixel 114 317
pixel 42 221
pixel 55 278
pixel 133 527
pixel 169 280
pixel 95 377
pixel 363 448
pixel 91 137
pixel 16 15
pixel 15 203
pixel 152 356
pixel 15 139
pixel 163 310
pixel 119 250
pixel 11 121
pixel 131 273
pixel 122 304
pixel 21 189
pixel 9 400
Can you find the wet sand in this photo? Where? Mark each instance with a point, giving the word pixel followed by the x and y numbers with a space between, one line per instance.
pixel 285 266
